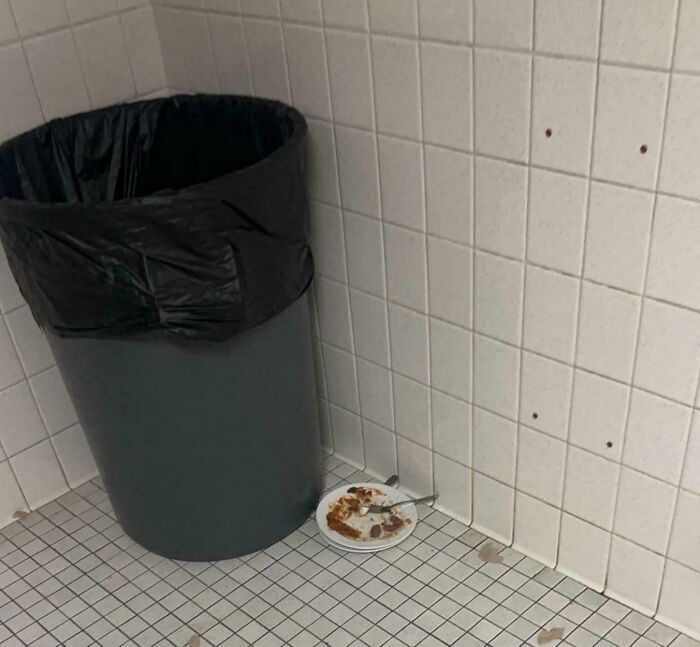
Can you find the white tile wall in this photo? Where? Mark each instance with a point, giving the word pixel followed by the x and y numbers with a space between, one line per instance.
pixel 58 57
pixel 505 222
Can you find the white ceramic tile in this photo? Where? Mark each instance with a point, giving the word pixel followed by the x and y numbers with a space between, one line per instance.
pixel 340 378
pixel 541 462
pixel 11 500
pixel 583 551
pixel 567 27
pixel 409 342
pixel 376 402
pixel 262 8
pixel 678 603
pixel 557 211
pixel 598 414
pixel 345 13
pixel 500 207
pixel 629 116
pixel 370 324
pixel 494 446
pixel 498 292
pixel 687 54
pixel 327 241
pixel 319 370
pixel 347 434
pixel 448 185
pixel 187 52
pixel 396 86
pixel 656 436
pixel 21 422
pixel 644 510
pixel 8 29
pixel 673 259
pixel 445 20
pixel 54 63
pixel 37 16
pixel 668 357
pixel 590 488
pixel 551 308
pixel 493 508
pixel 415 467
pixel 503 23
pixel 634 575
pixel 74 455
pixel 143 47
pixel 639 31
pixel 607 331
pixel 691 474
pixel 10 369
pixel 686 531
pixel 308 77
pixel 545 395
pixel 53 400
pixel 363 241
pixel 351 85
pixel 322 171
pixel 301 10
pixel 446 75
pixel 406 271
pixel 31 344
pixel 267 62
pixel 453 482
pixel 394 17
pixel 357 158
pixel 84 10
pixel 19 109
pixel 105 61
pixel 681 139
pixel 562 121
pixel 333 312
pixel 451 359
pixel 380 447
pixel 619 221
pixel 412 401
pixel 450 281
pixel 536 530
pixel 502 104
pixel 39 474
pixel 451 420
pixel 10 298
pixel 496 373
pixel 401 175
pixel 324 417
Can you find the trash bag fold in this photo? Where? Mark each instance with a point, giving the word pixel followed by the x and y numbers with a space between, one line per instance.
pixel 187 215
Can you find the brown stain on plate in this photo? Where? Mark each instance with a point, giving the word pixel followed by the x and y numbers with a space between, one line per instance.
pixel 547 636
pixel 488 553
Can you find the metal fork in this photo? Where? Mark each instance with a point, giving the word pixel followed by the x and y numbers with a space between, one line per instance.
pixel 379 509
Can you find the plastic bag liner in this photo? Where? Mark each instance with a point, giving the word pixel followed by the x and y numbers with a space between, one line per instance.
pixel 187 215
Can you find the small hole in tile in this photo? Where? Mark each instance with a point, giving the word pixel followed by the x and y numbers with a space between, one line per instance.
pixel 609 444
pixel 548 132
pixel 535 415
pixel 643 149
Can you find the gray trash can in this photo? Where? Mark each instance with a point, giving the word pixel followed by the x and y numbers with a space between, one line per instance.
pixel 162 246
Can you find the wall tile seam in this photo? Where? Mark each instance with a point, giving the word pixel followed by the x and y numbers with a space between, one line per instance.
pixel 620 463
pixel 71 24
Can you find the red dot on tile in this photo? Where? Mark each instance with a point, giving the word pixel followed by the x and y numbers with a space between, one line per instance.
pixel 643 149
pixel 609 444
pixel 535 416
pixel 548 132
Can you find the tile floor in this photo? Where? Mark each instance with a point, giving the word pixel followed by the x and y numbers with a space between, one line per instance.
pixel 69 576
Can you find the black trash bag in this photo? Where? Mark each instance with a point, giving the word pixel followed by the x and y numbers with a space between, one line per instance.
pixel 187 215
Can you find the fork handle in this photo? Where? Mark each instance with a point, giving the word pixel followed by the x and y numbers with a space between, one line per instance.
pixel 422 499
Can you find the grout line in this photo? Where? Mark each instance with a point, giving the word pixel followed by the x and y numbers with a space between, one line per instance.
pixel 577 330
pixel 472 240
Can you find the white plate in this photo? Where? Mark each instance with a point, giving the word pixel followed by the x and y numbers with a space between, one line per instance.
pixel 409 511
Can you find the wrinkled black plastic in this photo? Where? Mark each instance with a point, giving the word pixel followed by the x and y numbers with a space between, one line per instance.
pixel 187 215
